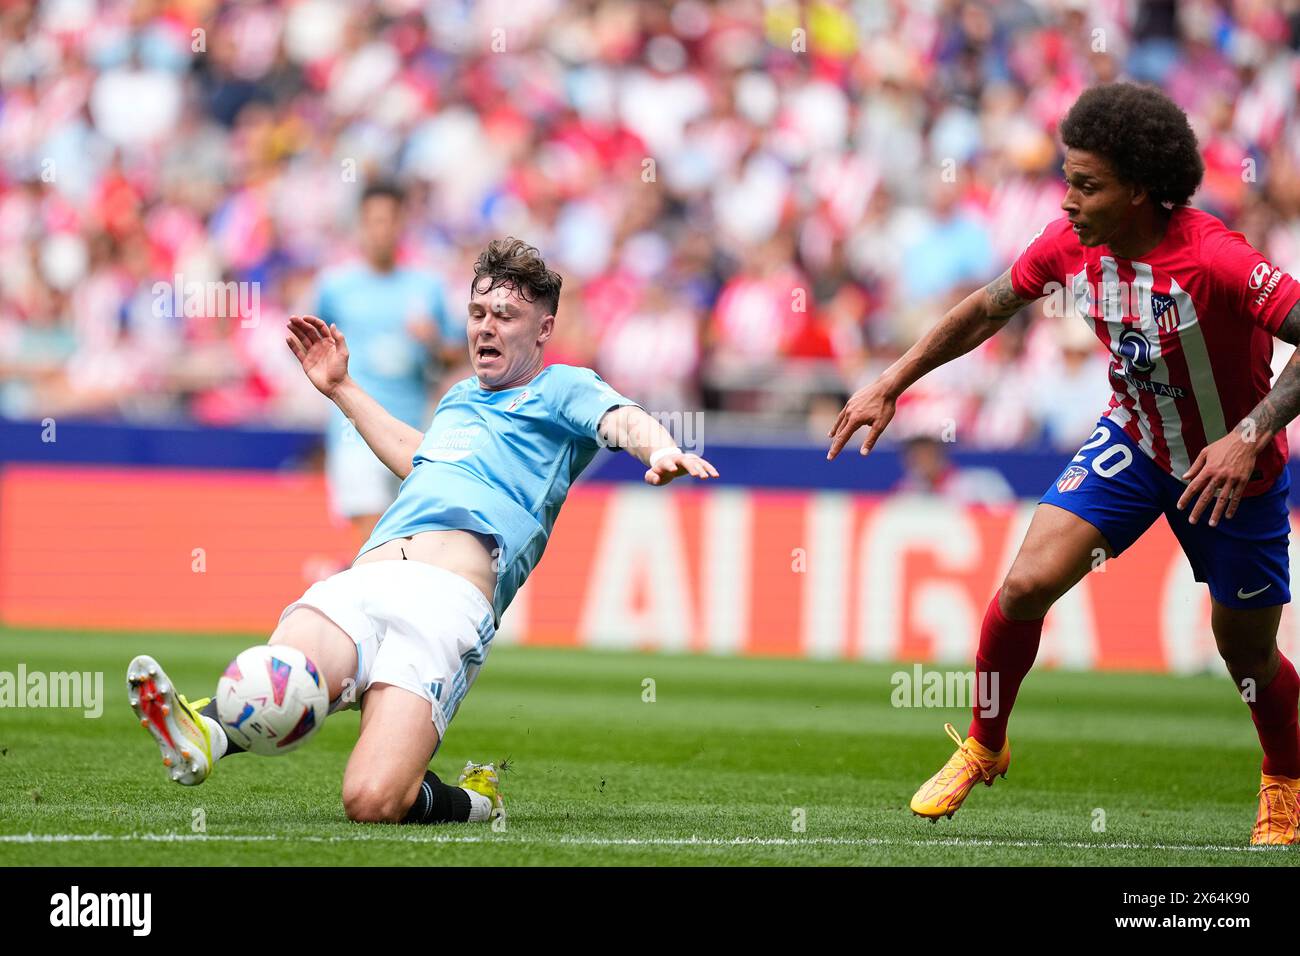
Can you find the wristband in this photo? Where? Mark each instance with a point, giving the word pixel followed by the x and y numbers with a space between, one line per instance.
pixel 663 452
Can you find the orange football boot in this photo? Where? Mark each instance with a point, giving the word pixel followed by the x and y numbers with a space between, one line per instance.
pixel 942 794
pixel 1279 811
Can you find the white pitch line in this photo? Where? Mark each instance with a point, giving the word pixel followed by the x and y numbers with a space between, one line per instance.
pixel 31 838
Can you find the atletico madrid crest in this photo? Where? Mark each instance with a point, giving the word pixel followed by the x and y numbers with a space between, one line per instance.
pixel 1165 311
pixel 1071 478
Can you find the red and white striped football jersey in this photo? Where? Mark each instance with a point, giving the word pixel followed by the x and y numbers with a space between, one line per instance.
pixel 1189 327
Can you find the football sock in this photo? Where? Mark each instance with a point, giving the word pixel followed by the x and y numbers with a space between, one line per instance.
pixel 480 807
pixel 1277 721
pixel 1006 652
pixel 438 802
pixel 221 744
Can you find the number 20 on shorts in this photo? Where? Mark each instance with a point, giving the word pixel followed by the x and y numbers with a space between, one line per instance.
pixel 1109 462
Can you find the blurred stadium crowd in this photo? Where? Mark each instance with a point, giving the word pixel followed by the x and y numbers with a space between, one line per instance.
pixel 756 204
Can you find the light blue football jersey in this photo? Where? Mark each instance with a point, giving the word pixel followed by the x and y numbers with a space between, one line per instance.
pixel 373 309
pixel 501 463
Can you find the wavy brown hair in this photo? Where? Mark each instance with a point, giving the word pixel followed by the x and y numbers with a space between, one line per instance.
pixel 514 264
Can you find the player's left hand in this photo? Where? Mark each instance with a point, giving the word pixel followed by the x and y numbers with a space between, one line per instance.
pixel 1223 469
pixel 676 466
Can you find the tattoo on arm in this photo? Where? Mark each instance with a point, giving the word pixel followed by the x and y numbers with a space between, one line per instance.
pixel 1000 296
pixel 1281 404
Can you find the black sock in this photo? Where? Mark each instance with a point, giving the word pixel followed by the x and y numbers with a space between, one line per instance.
pixel 210 710
pixel 438 803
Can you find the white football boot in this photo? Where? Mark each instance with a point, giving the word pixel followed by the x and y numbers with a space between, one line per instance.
pixel 180 731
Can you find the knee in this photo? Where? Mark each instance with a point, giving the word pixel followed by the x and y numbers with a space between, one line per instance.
pixel 1253 663
pixel 326 645
pixel 1027 593
pixel 372 802
pixel 298 629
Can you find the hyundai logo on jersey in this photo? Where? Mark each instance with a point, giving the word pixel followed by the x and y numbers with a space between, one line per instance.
pixel 1135 350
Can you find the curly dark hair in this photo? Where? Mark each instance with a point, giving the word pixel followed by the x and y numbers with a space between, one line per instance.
pixel 514 264
pixel 1142 134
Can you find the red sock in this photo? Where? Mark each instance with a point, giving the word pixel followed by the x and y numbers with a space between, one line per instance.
pixel 1277 723
pixel 1007 650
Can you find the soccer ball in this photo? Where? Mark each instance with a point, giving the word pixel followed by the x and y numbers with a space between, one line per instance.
pixel 271 699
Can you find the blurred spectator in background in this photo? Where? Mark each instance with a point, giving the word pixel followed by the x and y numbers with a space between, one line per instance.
pixel 396 322
pixel 952 249
pixel 755 204
pixel 1072 388
pixel 928 472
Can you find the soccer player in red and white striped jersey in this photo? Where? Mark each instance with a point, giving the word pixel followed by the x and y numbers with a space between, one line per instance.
pixel 1188 310
pixel 1189 324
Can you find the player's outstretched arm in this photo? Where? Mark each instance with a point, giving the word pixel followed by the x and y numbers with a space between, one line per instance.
pixel 323 352
pixel 630 428
pixel 967 324
pixel 1223 469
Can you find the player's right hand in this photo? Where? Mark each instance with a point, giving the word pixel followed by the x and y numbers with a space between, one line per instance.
pixel 321 349
pixel 871 405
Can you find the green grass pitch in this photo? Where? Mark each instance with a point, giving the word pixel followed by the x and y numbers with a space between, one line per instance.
pixel 719 769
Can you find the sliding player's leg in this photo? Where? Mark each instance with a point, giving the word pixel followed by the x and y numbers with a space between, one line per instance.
pixel 387 779
pixel 406 628
pixel 334 654
pixel 1104 500
pixel 434 631
pixel 326 645
pixel 189 735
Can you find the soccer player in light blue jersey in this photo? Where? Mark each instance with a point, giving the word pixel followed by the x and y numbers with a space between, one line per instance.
pixel 406 629
pixel 397 321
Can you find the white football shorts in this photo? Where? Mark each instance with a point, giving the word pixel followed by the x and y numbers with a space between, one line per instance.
pixel 416 626
pixel 358 482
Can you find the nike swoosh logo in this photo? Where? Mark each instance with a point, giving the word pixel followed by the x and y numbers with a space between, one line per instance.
pixel 1242 595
